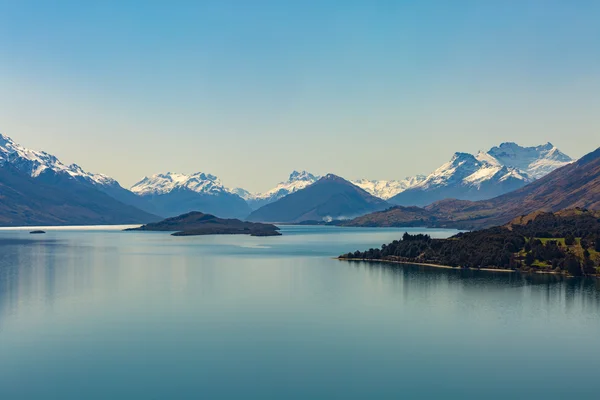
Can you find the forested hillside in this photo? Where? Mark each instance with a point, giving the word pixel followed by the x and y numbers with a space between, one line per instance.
pixel 567 242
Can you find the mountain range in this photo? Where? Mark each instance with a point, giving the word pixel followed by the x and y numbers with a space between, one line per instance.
pixel 172 194
pixel 37 188
pixel 575 185
pixel 500 170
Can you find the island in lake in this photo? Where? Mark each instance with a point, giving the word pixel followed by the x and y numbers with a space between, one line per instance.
pixel 197 223
pixel 566 242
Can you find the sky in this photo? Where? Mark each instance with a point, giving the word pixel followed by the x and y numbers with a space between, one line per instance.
pixel 251 90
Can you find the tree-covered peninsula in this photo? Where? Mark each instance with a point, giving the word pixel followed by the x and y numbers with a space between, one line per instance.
pixel 566 242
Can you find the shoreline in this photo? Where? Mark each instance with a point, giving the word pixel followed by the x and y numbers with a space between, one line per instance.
pixel 439 265
pixel 504 270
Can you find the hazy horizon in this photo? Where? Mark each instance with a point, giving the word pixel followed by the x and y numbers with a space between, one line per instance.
pixel 375 90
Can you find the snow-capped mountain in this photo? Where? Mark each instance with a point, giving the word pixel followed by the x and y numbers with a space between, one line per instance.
pixel 38 188
pixel 330 197
pixel 536 161
pixel 296 181
pixel 388 189
pixel 35 163
pixel 47 168
pixel 172 194
pixel 488 174
pixel 300 179
pixel 199 182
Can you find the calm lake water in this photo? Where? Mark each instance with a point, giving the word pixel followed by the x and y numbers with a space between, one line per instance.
pixel 101 314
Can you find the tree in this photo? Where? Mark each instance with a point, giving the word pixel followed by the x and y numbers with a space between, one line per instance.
pixel 569 240
pixel 586 254
pixel 572 265
pixel 588 266
pixel 529 259
pixel 597 247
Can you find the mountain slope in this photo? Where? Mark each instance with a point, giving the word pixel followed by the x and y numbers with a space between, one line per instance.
pixel 172 194
pixel 23 169
pixel 43 166
pixel 331 197
pixel 573 185
pixel 28 201
pixel 35 163
pixel 297 180
pixel 488 174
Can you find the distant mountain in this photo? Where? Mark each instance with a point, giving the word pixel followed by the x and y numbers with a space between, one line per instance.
pixel 488 174
pixel 574 185
pixel 296 181
pixel 39 163
pixel 39 189
pixel 46 167
pixel 534 161
pixel 388 189
pixel 299 180
pixel 331 197
pixel 172 194
pixel 59 200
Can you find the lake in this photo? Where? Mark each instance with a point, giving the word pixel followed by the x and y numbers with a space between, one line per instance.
pixel 104 314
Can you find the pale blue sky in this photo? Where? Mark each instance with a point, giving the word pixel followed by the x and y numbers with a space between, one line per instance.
pixel 250 90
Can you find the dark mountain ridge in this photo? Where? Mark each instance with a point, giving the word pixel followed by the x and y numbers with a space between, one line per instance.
pixel 331 197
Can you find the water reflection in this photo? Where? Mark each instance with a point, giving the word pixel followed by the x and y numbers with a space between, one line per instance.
pixel 580 293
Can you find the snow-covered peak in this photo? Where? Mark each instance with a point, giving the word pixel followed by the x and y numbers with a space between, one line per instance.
pixel 535 161
pixel 485 157
pixel 243 193
pixel 460 157
pixel 302 176
pixel 34 163
pixel 199 182
pixel 388 189
pixel 465 169
pixel 460 166
pixel 296 181
pixel 500 163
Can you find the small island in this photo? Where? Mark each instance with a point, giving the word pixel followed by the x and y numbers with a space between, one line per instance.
pixel 196 223
pixel 37 232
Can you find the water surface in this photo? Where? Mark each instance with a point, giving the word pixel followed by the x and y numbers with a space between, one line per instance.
pixel 104 314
